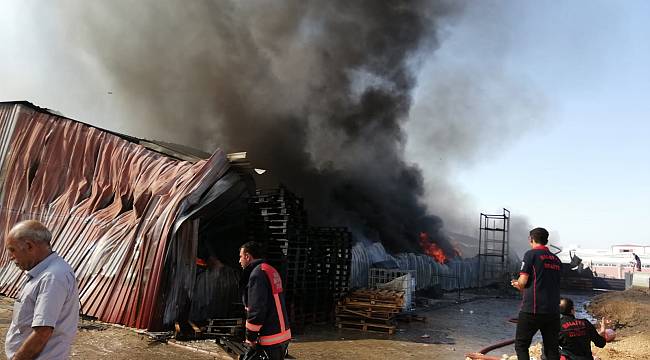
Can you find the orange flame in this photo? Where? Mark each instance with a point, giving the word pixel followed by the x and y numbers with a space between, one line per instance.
pixel 431 249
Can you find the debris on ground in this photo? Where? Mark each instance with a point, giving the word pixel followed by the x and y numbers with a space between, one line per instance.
pixel 370 310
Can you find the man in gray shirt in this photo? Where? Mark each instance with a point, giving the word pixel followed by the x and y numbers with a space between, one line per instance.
pixel 46 311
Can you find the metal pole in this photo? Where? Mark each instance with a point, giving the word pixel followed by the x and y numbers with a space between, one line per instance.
pixel 480 234
pixel 458 279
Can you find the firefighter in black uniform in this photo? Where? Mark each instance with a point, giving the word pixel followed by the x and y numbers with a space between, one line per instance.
pixel 576 335
pixel 267 326
pixel 539 280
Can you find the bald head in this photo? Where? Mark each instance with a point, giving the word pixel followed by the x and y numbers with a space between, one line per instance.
pixel 31 230
pixel 28 243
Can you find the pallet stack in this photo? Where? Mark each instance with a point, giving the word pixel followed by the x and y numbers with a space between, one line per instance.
pixel 278 220
pixel 336 248
pixel 314 262
pixel 328 272
pixel 370 310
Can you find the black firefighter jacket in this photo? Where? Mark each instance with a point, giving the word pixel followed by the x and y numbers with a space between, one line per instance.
pixel 266 322
pixel 576 336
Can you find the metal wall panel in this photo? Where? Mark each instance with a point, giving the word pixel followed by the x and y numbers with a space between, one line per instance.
pixel 113 207
pixel 455 273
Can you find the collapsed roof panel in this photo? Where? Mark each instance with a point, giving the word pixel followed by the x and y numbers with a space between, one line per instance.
pixel 115 207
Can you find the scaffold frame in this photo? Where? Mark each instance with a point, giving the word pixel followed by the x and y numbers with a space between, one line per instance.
pixel 494 246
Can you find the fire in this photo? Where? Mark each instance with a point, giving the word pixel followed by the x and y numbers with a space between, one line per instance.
pixel 431 249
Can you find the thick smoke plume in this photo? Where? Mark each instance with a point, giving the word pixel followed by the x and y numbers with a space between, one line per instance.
pixel 316 91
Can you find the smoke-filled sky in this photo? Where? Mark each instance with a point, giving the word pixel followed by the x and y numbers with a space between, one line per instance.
pixel 392 117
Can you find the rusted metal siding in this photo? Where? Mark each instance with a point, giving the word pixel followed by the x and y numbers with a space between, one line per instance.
pixel 113 207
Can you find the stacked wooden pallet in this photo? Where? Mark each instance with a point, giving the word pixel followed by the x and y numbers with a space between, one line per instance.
pixel 278 220
pixel 331 257
pixel 233 327
pixel 370 310
pixel 314 262
pixel 327 273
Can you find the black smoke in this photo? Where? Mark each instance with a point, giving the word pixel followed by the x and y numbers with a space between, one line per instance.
pixel 316 91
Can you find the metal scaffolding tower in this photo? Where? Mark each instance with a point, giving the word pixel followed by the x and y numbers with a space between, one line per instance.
pixel 493 246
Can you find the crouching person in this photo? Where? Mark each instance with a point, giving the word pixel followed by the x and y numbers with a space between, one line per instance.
pixel 576 335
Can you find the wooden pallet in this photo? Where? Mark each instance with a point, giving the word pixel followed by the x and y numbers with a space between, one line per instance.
pixel 371 327
pixel 372 306
pixel 377 294
pixel 365 314
pixel 223 331
pixel 366 320
pixel 224 327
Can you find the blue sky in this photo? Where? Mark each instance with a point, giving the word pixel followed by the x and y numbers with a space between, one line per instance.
pixel 583 169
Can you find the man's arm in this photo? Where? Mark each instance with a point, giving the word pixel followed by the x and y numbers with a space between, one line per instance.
pixel 34 344
pixel 257 303
pixel 524 272
pixel 562 338
pixel 596 336
pixel 521 282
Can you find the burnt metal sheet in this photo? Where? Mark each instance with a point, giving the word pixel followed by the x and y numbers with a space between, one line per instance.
pixel 115 209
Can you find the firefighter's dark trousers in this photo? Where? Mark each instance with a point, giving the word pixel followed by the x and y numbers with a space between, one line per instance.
pixel 276 352
pixel 527 326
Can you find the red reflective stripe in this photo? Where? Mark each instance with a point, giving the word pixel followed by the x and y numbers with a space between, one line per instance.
pixel 253 327
pixel 276 288
pixel 534 290
pixel 278 308
pixel 275 339
pixel 274 278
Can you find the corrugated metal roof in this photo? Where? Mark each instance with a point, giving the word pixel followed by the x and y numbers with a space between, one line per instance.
pixel 177 151
pixel 116 209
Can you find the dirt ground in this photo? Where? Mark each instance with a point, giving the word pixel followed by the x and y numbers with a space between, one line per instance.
pixel 630 312
pixel 107 342
pixel 450 331
pixel 444 335
pixel 447 333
